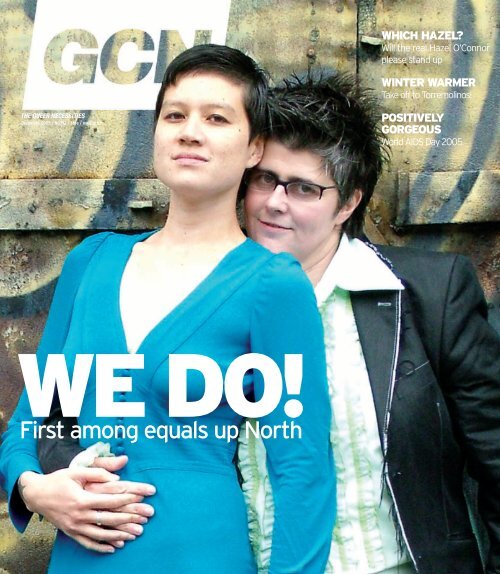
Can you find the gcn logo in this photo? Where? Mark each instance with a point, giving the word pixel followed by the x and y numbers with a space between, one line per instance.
pixel 111 54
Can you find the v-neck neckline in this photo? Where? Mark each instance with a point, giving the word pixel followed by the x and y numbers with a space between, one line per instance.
pixel 199 288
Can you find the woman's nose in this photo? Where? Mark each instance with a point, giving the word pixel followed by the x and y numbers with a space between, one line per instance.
pixel 277 199
pixel 191 130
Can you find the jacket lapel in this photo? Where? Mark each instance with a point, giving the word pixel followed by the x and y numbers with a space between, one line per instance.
pixel 376 314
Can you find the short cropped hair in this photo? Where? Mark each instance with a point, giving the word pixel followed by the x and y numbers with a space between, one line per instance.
pixel 231 64
pixel 335 118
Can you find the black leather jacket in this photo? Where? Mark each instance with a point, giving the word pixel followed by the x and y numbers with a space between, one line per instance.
pixel 434 367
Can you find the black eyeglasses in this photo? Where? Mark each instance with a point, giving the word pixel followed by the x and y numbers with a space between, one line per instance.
pixel 266 182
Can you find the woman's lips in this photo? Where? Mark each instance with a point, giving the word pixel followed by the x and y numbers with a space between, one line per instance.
pixel 189 159
pixel 270 225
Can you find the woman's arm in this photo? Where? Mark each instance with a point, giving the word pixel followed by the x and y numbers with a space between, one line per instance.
pixel 70 499
pixel 286 321
pixel 17 454
pixel 470 377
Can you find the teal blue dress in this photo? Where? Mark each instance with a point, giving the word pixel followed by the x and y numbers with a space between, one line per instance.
pixel 252 302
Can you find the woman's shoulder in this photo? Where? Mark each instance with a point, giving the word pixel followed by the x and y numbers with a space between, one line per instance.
pixel 280 273
pixel 82 252
pixel 91 244
pixel 274 260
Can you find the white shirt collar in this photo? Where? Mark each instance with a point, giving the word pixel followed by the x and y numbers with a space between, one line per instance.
pixel 356 267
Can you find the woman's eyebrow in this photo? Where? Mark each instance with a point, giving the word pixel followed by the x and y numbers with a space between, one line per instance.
pixel 205 105
pixel 289 179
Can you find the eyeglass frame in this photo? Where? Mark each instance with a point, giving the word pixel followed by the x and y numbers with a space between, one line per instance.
pixel 285 184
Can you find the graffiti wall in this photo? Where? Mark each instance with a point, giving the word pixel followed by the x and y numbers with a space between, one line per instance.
pixel 77 92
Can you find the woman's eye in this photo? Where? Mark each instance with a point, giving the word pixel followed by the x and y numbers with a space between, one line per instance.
pixel 218 119
pixel 263 178
pixel 174 116
pixel 267 178
pixel 305 188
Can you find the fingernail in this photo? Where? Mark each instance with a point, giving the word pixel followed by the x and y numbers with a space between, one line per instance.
pixel 120 543
pixel 150 490
pixel 143 520
pixel 138 529
pixel 149 511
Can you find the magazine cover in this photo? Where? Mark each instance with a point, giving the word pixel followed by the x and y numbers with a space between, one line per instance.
pixel 198 364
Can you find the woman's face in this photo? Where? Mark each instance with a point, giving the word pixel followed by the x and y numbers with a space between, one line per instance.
pixel 201 143
pixel 309 230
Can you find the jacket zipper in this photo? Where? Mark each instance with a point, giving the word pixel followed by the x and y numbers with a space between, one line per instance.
pixel 395 357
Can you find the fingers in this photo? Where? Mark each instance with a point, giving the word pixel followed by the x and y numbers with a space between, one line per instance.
pixel 109 535
pixel 84 475
pixel 111 501
pixel 112 519
pixel 102 521
pixel 110 463
pixel 97 546
pixel 130 528
pixel 121 487
pixel 101 539
pixel 142 509
pixel 94 528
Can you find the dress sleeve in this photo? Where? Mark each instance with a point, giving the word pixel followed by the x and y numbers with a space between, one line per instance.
pixel 470 368
pixel 286 321
pixel 17 454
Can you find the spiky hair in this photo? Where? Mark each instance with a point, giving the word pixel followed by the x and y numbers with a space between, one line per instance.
pixel 333 116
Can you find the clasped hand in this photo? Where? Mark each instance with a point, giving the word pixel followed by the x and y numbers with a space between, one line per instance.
pixel 91 505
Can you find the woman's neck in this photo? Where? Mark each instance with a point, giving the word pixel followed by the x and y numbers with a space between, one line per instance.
pixel 194 225
pixel 316 265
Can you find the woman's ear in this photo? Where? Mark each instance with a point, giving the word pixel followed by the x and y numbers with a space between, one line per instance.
pixel 349 206
pixel 256 150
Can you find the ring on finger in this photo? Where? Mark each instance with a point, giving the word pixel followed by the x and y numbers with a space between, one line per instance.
pixel 98 520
